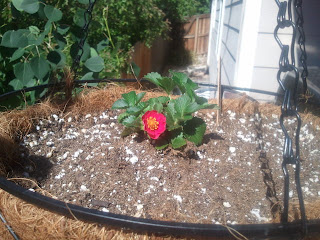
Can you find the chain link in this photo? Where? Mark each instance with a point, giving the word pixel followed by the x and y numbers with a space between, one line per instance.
pixel 87 20
pixel 301 42
pixel 289 108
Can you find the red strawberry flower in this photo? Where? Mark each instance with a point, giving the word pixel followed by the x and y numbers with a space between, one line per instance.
pixel 154 123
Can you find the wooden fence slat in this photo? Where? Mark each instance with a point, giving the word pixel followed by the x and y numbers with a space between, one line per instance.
pixel 197 30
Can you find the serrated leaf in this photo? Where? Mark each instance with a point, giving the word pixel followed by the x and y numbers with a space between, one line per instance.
pixel 140 96
pixel 122 116
pixel 194 130
pixel 153 77
pixel 23 72
pixel 128 130
pixel 161 143
pixel 180 105
pixel 130 98
pixel 16 84
pixel 40 67
pixel 178 141
pixel 95 64
pixel 30 6
pixel 120 104
pixel 167 84
pixel 129 121
pixel 17 54
pixel 134 110
pixel 15 39
pixel 52 13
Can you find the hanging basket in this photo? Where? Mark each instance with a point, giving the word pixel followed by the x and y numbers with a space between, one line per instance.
pixel 37 215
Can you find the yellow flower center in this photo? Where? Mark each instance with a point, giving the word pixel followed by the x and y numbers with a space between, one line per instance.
pixel 152 123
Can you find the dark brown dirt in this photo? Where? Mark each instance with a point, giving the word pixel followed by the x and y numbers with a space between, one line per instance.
pixel 234 177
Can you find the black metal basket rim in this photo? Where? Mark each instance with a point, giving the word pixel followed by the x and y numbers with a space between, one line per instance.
pixel 149 225
pixel 154 226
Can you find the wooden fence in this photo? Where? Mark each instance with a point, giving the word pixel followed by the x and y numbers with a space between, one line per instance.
pixel 196 36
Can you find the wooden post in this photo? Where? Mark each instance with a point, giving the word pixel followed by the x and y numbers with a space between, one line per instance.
pixel 196 36
pixel 219 92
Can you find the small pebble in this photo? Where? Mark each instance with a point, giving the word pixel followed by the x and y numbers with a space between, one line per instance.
pixel 226 204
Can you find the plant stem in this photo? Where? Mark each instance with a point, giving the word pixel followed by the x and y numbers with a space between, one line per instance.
pixel 105 18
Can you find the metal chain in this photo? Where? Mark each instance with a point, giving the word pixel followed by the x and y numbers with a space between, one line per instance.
pixel 301 42
pixel 87 20
pixel 289 109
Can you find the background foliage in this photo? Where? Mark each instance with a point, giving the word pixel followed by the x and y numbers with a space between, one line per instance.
pixel 39 37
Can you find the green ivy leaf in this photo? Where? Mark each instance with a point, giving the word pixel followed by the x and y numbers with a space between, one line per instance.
pixel 89 76
pixel 15 39
pixel 95 64
pixel 40 67
pixel 120 104
pixel 78 18
pixel 83 1
pixel 178 141
pixel 17 54
pixel 23 72
pixel 52 13
pixel 154 78
pixel 17 4
pixel 194 130
pixel 57 59
pixel 30 6
pixel 16 84
pixel 75 48
pixel 63 29
pixel 93 52
pixel 34 30
pixel 102 45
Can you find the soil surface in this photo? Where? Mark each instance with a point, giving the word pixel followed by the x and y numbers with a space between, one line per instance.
pixel 234 177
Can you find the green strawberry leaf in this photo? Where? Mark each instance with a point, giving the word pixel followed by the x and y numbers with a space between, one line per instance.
pixel 194 130
pixel 128 130
pixel 140 96
pixel 161 143
pixel 178 141
pixel 130 98
pixel 167 84
pixel 154 78
pixel 120 104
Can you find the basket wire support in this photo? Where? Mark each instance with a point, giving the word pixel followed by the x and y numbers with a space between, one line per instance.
pixel 289 108
pixel 87 20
